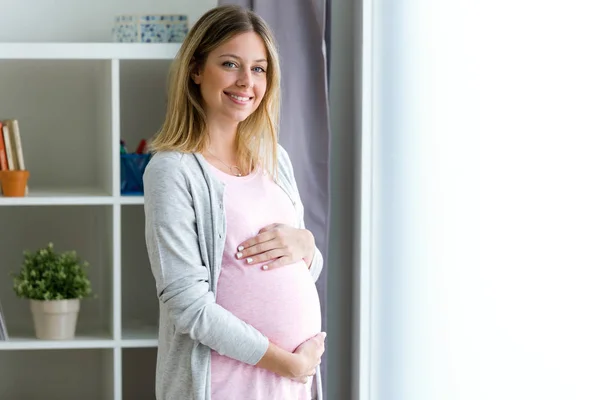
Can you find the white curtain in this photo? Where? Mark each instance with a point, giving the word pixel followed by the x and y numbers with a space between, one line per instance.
pixel 480 246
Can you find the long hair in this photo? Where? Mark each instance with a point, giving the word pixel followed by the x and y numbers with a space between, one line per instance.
pixel 185 128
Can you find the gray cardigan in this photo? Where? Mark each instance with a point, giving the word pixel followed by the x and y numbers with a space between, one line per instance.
pixel 185 237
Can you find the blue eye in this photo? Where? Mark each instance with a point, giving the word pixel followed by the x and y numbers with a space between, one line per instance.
pixel 259 69
pixel 229 64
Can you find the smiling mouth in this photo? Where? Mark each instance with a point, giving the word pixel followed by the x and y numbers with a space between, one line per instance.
pixel 239 99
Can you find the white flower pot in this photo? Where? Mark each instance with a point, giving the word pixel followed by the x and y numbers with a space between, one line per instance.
pixel 55 319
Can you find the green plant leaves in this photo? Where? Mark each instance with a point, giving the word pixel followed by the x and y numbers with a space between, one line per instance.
pixel 48 275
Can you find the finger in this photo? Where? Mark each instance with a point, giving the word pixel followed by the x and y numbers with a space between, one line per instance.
pixel 301 379
pixel 259 248
pixel 320 337
pixel 282 261
pixel 264 257
pixel 268 228
pixel 260 238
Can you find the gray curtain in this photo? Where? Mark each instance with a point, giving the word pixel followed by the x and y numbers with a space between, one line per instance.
pixel 302 36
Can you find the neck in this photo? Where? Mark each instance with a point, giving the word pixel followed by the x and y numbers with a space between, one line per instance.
pixel 222 137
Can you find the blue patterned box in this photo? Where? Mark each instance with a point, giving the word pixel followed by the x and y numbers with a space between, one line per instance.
pixel 150 28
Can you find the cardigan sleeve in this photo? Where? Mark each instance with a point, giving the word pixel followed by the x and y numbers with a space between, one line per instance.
pixel 182 281
pixel 317 264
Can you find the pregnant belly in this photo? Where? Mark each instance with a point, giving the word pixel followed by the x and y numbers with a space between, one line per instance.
pixel 281 303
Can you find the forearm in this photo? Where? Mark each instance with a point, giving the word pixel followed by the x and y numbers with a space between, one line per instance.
pixel 193 311
pixel 280 362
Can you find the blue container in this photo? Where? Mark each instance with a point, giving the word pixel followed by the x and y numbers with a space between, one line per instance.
pixel 132 172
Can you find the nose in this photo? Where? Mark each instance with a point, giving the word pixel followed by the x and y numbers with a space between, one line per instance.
pixel 245 78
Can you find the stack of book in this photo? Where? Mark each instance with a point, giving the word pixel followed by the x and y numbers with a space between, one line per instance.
pixel 3 331
pixel 11 149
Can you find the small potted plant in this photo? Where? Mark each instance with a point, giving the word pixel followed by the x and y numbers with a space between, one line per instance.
pixel 54 283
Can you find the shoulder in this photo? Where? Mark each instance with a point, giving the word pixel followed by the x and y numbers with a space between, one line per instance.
pixel 165 167
pixel 165 158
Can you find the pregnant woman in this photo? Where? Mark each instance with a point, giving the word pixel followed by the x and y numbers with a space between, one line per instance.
pixel 235 268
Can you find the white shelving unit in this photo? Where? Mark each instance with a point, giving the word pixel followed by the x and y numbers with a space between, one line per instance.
pixel 74 102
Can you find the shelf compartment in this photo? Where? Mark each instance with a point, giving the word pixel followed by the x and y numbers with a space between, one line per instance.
pixel 143 99
pixel 139 301
pixel 85 229
pixel 139 374
pixel 65 121
pixel 57 374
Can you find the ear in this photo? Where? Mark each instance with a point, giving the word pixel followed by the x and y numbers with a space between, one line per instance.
pixel 196 74
pixel 197 77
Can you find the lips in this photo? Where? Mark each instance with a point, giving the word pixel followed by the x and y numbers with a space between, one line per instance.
pixel 239 98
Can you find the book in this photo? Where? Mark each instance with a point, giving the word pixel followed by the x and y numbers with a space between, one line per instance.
pixel 10 158
pixel 14 147
pixel 3 330
pixel 3 160
pixel 15 133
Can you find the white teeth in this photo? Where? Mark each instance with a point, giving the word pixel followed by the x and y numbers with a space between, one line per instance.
pixel 239 98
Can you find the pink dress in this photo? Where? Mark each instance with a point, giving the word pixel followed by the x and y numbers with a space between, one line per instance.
pixel 281 303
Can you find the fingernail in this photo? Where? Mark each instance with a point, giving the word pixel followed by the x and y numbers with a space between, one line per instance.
pixel 249 260
pixel 239 255
pixel 240 248
pixel 265 267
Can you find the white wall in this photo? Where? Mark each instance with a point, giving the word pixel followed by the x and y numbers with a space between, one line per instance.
pixel 490 210
pixel 81 20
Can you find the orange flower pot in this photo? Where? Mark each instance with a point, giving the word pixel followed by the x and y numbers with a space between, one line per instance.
pixel 14 182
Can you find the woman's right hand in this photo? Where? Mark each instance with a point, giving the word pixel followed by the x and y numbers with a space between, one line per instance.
pixel 309 354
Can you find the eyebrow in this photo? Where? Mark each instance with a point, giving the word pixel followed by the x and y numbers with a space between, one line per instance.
pixel 238 58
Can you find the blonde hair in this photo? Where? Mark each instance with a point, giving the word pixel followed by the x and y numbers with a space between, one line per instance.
pixel 184 128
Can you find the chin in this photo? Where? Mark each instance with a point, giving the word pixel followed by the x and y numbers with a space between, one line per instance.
pixel 240 117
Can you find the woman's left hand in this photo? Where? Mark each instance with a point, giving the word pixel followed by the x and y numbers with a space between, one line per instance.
pixel 280 243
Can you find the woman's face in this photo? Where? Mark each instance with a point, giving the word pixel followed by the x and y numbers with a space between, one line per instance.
pixel 234 79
